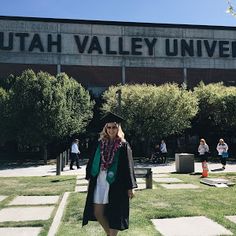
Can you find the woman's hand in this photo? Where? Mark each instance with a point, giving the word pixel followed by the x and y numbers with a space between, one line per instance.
pixel 130 193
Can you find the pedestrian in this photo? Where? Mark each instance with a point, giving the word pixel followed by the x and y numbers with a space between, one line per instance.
pixel 203 150
pixel 163 149
pixel 111 179
pixel 74 154
pixel 222 149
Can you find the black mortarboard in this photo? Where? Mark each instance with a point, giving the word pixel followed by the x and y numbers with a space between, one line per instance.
pixel 110 118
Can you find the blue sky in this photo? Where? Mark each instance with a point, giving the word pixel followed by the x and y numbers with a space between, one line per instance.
pixel 202 12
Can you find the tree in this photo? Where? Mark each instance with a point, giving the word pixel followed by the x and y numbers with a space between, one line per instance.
pixel 217 109
pixel 3 111
pixel 45 108
pixel 153 111
pixel 230 8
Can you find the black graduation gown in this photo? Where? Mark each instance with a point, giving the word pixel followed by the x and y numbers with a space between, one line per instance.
pixel 117 210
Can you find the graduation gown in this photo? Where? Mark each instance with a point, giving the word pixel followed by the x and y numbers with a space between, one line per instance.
pixel 117 210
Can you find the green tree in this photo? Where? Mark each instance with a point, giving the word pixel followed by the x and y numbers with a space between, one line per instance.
pixel 45 108
pixel 217 109
pixel 153 111
pixel 3 117
pixel 230 9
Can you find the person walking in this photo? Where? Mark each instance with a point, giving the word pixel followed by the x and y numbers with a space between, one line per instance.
pixel 74 154
pixel 203 151
pixel 163 149
pixel 111 179
pixel 222 149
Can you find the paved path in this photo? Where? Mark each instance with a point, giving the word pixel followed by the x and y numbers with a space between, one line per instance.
pixel 47 170
pixel 30 208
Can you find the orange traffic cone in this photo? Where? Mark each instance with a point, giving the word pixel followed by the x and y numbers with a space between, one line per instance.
pixel 204 169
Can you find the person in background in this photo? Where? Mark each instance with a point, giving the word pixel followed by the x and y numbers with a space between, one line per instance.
pixel 74 154
pixel 222 148
pixel 203 150
pixel 156 155
pixel 163 149
pixel 111 179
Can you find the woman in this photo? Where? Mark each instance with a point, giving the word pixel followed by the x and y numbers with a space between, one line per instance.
pixel 203 150
pixel 111 179
pixel 163 149
pixel 222 147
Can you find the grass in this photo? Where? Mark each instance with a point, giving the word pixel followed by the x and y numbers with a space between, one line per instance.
pixel 48 185
pixel 43 186
pixel 214 203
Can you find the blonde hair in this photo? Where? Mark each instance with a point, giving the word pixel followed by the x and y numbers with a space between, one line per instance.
pixel 104 134
pixel 203 140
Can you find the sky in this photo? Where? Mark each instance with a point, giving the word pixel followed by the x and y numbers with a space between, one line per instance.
pixel 198 12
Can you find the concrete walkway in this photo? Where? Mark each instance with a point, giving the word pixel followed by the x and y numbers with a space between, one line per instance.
pixel 50 170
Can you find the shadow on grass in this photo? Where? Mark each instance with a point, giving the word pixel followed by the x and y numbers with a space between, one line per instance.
pixel 218 169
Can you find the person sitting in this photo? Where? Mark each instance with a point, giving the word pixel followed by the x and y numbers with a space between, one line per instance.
pixel 156 155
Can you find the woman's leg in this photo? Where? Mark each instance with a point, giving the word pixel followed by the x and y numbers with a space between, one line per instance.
pixel 99 210
pixel 223 162
pixel 113 232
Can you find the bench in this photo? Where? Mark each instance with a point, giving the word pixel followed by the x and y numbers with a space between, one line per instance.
pixel 144 172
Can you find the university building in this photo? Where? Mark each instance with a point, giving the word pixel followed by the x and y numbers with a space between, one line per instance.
pixel 103 53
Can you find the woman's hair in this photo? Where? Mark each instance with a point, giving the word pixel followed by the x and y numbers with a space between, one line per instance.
pixel 203 140
pixel 221 140
pixel 120 133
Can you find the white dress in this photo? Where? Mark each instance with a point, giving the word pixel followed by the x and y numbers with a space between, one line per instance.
pixel 102 189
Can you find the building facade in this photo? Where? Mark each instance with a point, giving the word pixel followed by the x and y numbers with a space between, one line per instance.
pixel 103 53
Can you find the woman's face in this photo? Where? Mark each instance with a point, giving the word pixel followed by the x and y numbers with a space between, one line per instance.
pixel 112 130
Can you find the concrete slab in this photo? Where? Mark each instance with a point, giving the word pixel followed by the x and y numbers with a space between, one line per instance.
pixel 34 200
pixel 140 180
pixel 221 185
pixel 25 213
pixel 2 197
pixel 217 182
pixel 179 186
pixel 80 178
pixel 81 188
pixel 82 182
pixel 231 218
pixel 186 226
pixel 141 187
pixel 20 231
pixel 156 175
pixel 167 180
pixel 57 219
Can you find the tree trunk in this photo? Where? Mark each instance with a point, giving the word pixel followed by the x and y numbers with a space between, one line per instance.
pixel 45 153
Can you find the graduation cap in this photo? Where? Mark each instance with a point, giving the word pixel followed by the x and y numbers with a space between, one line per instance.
pixel 110 118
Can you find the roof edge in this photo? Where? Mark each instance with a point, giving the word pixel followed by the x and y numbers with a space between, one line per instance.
pixel 118 23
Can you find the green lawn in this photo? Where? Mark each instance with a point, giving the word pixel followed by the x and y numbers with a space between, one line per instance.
pixel 50 185
pixel 211 202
